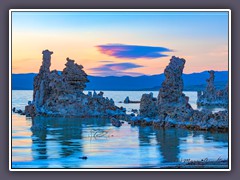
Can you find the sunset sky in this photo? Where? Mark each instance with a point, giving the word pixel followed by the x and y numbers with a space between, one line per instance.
pixel 120 43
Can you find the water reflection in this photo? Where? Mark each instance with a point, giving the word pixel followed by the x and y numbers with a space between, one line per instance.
pixel 168 143
pixel 39 143
pixel 175 145
pixel 60 137
pixel 60 142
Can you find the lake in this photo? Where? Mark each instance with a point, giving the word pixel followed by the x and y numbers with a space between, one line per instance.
pixel 62 142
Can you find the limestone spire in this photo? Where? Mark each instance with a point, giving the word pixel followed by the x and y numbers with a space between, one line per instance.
pixel 46 61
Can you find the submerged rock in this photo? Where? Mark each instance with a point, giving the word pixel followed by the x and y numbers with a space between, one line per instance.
pixel 62 94
pixel 212 97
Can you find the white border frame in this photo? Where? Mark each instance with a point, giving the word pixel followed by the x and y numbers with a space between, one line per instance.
pixel 116 10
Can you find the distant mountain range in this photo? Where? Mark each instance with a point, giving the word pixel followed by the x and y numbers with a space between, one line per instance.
pixel 192 82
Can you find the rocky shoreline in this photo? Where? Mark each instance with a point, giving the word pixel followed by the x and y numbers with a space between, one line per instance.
pixel 218 164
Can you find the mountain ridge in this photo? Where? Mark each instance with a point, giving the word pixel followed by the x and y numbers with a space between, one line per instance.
pixel 193 81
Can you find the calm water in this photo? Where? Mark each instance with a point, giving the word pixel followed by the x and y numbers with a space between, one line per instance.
pixel 61 142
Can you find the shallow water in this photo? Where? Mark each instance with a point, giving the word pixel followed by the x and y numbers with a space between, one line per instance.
pixel 62 142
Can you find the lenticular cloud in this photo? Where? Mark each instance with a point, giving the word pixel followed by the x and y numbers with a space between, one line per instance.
pixel 133 51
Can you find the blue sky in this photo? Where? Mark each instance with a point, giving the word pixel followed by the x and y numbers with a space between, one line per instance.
pixel 199 37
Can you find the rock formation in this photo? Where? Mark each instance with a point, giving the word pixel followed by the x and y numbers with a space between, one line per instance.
pixel 41 81
pixel 172 101
pixel 62 94
pixel 172 108
pixel 74 76
pixel 115 122
pixel 148 106
pixel 127 101
pixel 212 97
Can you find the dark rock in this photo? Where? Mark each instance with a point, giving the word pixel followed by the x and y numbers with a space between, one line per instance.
pixel 30 110
pixel 83 157
pixel 126 100
pixel 19 111
pixel 132 114
pixel 134 110
pixel 116 122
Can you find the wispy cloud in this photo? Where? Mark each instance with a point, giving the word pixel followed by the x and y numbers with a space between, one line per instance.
pixel 106 61
pixel 116 69
pixel 221 51
pixel 133 51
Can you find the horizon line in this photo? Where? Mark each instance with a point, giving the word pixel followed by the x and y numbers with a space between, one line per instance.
pixel 128 75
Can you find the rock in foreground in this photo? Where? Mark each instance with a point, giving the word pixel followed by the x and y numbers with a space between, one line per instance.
pixel 58 94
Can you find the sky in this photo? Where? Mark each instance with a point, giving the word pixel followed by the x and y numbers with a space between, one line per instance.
pixel 120 43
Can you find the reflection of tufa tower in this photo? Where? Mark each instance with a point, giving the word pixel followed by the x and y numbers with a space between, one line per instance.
pixel 67 134
pixel 168 141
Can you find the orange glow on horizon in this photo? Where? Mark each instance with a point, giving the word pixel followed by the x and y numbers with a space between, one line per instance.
pixel 82 45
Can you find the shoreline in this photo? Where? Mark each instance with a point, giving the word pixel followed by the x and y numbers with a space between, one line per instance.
pixel 222 164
